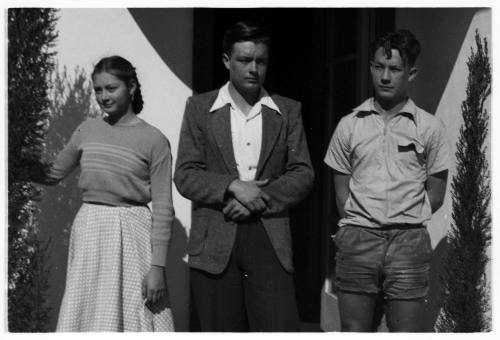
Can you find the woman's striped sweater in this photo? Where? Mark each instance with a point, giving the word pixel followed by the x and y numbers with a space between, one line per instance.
pixel 123 165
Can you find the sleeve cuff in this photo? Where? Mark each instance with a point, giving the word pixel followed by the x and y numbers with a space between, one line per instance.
pixel 436 170
pixel 159 255
pixel 335 166
pixel 226 193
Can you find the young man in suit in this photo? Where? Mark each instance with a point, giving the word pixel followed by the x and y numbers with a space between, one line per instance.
pixel 243 162
pixel 390 160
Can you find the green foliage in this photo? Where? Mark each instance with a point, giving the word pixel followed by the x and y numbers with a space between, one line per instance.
pixel 466 300
pixel 31 35
pixel 28 283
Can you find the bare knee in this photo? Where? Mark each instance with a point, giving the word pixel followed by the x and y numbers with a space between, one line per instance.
pixel 405 315
pixel 356 311
pixel 353 325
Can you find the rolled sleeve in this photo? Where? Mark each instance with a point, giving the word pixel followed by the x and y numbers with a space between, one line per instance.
pixel 338 154
pixel 438 150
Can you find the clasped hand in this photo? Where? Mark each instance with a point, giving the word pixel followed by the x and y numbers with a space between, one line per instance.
pixel 153 286
pixel 248 199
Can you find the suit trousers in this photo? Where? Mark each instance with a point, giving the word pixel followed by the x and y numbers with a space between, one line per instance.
pixel 253 293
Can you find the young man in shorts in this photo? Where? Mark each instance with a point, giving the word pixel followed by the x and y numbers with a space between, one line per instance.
pixel 390 160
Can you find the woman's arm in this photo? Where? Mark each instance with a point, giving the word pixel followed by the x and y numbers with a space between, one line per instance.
pixel 67 160
pixel 154 284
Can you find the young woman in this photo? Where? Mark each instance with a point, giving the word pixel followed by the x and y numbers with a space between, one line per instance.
pixel 117 253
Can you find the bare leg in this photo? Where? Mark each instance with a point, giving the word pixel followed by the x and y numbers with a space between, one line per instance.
pixel 356 311
pixel 379 312
pixel 404 315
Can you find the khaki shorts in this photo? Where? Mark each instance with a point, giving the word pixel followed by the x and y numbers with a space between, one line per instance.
pixel 393 261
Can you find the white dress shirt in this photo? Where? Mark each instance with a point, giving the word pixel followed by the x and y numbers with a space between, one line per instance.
pixel 246 131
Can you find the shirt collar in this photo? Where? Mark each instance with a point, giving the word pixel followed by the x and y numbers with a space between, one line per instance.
pixel 224 98
pixel 369 106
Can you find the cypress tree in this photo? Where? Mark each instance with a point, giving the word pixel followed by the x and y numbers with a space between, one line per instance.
pixel 31 35
pixel 466 290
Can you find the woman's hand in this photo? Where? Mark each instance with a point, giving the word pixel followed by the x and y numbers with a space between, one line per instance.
pixel 154 288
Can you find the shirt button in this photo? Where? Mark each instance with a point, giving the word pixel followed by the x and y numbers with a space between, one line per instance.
pixel 248 143
pixel 249 168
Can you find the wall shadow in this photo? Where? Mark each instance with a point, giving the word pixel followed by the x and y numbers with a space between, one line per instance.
pixel 435 68
pixel 71 103
pixel 178 277
pixel 434 299
pixel 161 26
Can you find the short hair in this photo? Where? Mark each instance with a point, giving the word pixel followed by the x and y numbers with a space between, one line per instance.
pixel 403 41
pixel 245 31
pixel 125 71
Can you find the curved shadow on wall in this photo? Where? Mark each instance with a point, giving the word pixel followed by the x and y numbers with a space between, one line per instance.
pixel 167 29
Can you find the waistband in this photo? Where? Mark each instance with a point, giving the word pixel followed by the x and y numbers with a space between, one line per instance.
pixel 389 227
pixel 112 205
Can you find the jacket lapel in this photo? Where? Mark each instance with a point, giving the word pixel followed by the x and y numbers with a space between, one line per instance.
pixel 271 128
pixel 221 129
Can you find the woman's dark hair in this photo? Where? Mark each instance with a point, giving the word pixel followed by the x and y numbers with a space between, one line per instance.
pixel 245 31
pixel 403 41
pixel 123 70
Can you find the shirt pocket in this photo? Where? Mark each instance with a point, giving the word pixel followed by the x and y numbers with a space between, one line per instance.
pixel 410 154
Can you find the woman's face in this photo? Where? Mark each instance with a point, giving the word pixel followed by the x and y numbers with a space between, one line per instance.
pixel 112 94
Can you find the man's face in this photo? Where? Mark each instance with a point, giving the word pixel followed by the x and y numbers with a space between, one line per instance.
pixel 391 76
pixel 247 65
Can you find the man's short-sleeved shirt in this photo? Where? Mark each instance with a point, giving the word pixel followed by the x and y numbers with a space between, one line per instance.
pixel 388 164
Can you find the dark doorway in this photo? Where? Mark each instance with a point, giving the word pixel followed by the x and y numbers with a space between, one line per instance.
pixel 317 58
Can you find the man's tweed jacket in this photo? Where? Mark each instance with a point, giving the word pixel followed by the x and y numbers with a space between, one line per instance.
pixel 206 166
